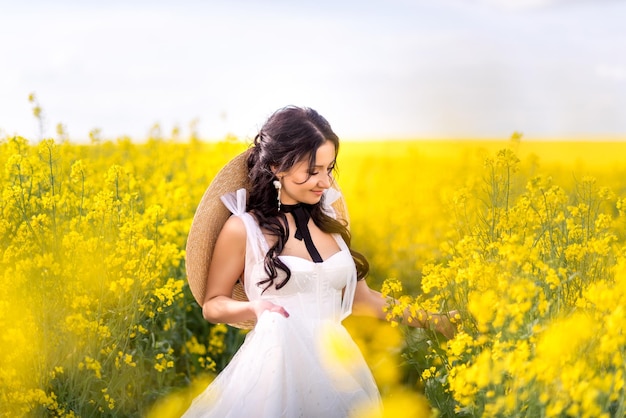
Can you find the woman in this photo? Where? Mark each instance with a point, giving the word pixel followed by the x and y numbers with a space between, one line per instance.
pixel 301 279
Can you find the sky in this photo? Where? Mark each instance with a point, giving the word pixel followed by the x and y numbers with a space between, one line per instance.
pixel 383 69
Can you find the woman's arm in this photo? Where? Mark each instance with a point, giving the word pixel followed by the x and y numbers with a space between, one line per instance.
pixel 368 302
pixel 227 265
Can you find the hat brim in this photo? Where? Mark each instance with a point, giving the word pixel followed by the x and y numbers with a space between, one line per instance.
pixel 210 217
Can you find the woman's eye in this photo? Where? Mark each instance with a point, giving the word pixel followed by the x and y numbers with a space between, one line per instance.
pixel 328 171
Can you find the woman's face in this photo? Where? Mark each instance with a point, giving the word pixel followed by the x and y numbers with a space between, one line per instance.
pixel 300 184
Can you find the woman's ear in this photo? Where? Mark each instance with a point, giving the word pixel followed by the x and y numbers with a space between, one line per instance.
pixel 278 174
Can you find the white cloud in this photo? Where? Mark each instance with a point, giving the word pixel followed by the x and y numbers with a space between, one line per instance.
pixel 611 72
pixel 398 68
pixel 529 5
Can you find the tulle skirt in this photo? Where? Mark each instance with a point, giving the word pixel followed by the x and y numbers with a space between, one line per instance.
pixel 290 367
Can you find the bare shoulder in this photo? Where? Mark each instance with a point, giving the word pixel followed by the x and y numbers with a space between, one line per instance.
pixel 230 246
pixel 233 231
pixel 228 259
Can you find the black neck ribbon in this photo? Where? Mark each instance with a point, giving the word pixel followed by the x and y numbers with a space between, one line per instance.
pixel 302 214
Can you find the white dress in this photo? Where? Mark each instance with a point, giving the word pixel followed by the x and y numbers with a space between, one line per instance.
pixel 306 365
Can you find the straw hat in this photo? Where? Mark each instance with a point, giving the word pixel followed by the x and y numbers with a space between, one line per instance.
pixel 210 217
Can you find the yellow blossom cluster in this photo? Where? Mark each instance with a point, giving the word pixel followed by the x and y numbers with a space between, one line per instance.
pixel 535 269
pixel 93 304
pixel 526 242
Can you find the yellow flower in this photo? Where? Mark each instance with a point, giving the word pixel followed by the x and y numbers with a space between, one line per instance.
pixel 90 364
pixel 483 306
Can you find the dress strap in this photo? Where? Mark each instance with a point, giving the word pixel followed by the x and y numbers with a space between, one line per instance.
pixel 350 289
pixel 348 296
pixel 331 195
pixel 235 202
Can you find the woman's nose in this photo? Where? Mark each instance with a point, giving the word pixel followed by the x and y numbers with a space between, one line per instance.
pixel 325 181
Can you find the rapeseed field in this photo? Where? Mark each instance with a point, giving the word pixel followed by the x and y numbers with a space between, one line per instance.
pixel 526 240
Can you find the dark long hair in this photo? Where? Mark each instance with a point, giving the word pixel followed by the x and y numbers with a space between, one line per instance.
pixel 289 135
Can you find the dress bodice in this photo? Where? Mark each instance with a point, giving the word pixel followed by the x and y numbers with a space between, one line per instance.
pixel 319 290
pixel 314 289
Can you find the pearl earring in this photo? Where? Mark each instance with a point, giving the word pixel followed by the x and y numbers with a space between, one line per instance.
pixel 278 186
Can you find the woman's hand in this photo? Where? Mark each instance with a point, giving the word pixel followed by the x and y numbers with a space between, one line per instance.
pixel 444 324
pixel 260 306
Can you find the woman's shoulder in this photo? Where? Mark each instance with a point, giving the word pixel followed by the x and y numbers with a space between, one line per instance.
pixel 235 228
pixel 243 230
